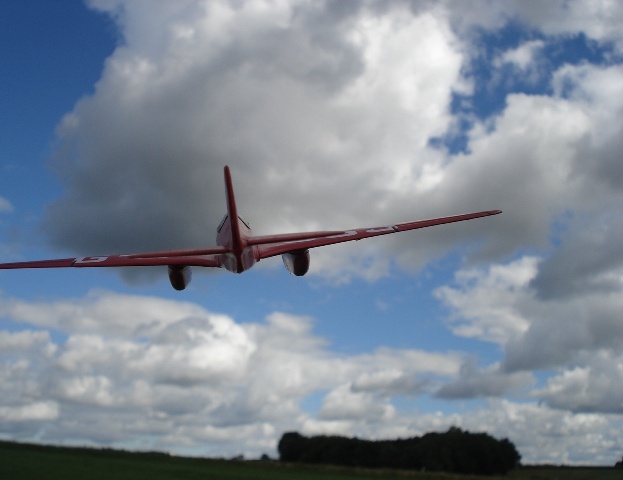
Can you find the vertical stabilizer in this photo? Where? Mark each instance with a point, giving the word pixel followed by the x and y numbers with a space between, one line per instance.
pixel 237 244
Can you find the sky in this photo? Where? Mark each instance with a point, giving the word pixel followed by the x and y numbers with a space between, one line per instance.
pixel 118 117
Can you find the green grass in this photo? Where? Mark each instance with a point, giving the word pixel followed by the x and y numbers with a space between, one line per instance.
pixel 566 473
pixel 29 462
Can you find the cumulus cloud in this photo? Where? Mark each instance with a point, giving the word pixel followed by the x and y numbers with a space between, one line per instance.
pixel 562 332
pixel 485 301
pixel 560 309
pixel 198 382
pixel 597 20
pixel 524 63
pixel 473 382
pixel 316 105
pixel 552 436
pixel 194 374
pixel 594 386
pixel 523 56
pixel 589 261
pixel 313 105
pixel 112 314
pixel 32 412
pixel 570 335
pixel 343 403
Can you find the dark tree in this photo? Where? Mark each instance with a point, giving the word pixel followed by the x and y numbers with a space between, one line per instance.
pixel 453 451
pixel 291 447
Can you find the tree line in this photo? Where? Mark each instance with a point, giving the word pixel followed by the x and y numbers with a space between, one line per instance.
pixel 453 451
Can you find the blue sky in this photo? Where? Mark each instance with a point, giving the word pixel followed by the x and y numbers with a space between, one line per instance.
pixel 119 117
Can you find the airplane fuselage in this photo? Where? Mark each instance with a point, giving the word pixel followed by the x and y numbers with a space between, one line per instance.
pixel 234 235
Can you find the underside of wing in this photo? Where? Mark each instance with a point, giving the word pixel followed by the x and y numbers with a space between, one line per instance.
pixel 131 261
pixel 330 238
pixel 58 263
pixel 207 257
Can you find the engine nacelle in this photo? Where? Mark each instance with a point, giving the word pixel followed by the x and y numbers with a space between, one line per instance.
pixel 297 263
pixel 180 276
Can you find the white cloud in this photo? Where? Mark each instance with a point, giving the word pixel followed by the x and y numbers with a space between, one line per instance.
pixel 316 106
pixel 597 386
pixel 597 91
pixel 598 20
pixel 547 435
pixel 342 403
pixel 574 335
pixel 25 340
pixel 203 384
pixel 313 106
pixel 91 389
pixel 38 411
pixel 191 368
pixel 5 206
pixel 487 303
pixel 523 57
pixel 102 312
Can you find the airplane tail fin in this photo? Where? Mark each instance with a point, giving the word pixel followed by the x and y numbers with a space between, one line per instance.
pixel 232 212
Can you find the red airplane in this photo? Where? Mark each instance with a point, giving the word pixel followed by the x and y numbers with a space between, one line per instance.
pixel 238 250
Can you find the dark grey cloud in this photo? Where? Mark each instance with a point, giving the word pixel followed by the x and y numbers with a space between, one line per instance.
pixel 142 158
pixel 312 105
pixel 569 335
pixel 589 260
pixel 562 333
pixel 595 386
pixel 474 382
pixel 320 105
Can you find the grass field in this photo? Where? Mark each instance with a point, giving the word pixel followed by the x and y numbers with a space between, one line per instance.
pixel 27 462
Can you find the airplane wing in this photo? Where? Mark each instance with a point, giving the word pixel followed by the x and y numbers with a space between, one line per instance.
pixel 210 257
pixel 320 239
